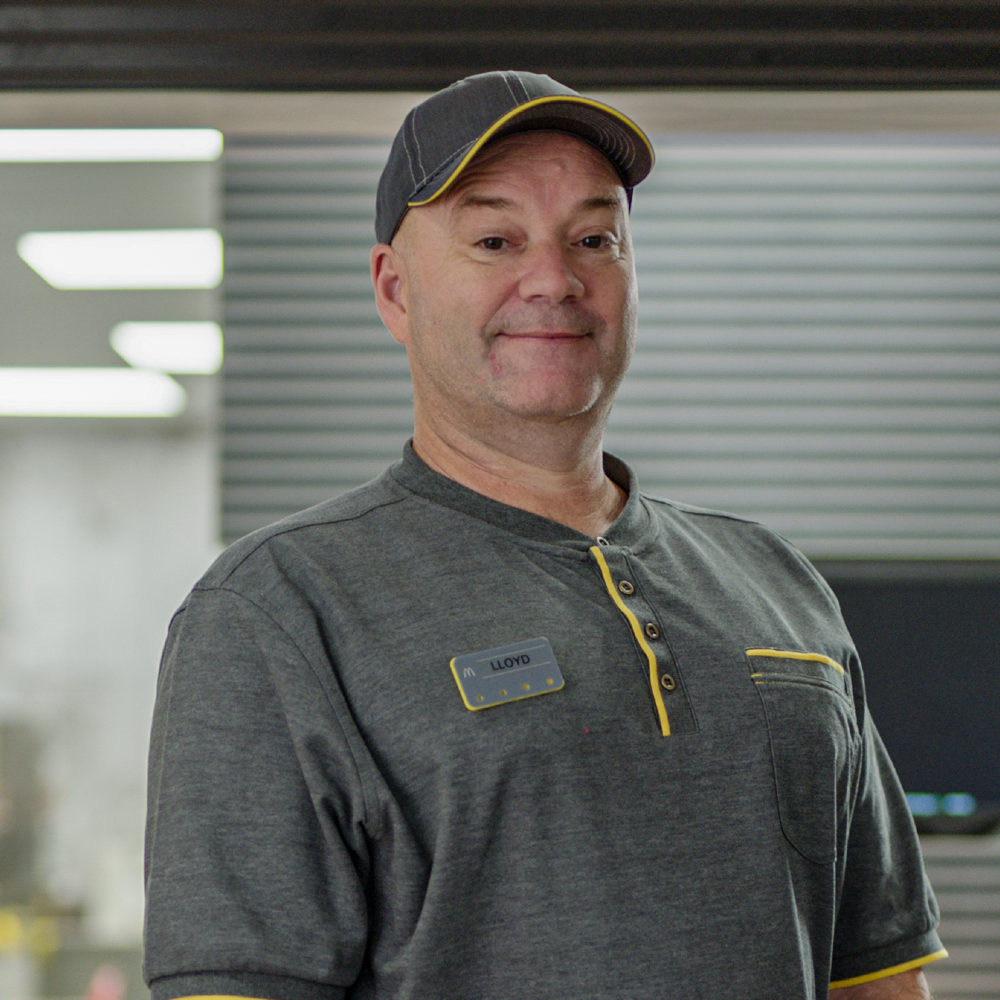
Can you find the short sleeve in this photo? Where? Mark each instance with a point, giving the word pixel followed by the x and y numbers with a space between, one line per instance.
pixel 255 847
pixel 888 916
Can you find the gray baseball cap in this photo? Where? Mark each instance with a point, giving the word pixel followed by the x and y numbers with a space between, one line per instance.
pixel 442 135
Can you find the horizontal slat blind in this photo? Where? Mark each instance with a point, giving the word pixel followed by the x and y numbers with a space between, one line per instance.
pixel 965 873
pixel 317 395
pixel 819 341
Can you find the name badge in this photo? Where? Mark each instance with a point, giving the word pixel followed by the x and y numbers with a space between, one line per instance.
pixel 507 673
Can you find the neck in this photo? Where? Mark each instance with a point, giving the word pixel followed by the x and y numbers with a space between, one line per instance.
pixel 540 475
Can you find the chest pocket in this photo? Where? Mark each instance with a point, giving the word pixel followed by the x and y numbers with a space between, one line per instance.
pixel 814 742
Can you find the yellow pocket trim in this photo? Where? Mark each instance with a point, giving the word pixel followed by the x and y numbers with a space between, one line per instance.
pixel 788 654
pixel 891 971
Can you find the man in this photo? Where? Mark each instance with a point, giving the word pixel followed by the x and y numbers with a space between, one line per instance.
pixel 497 724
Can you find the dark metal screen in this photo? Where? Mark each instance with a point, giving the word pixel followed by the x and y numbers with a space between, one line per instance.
pixel 426 44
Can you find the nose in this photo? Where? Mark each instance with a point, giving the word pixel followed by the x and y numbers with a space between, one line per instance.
pixel 548 273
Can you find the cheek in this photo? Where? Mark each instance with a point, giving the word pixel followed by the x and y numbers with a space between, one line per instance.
pixel 462 300
pixel 447 336
pixel 618 301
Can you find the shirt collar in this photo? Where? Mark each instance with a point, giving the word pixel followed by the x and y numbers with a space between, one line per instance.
pixel 632 525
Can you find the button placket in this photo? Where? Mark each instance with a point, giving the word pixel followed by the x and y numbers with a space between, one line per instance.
pixel 617 579
pixel 669 694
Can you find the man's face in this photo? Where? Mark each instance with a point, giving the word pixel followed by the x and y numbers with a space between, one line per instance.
pixel 519 286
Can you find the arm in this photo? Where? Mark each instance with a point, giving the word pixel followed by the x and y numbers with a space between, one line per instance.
pixel 255 843
pixel 887 917
pixel 910 985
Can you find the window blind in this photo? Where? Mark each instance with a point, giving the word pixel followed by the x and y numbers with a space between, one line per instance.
pixel 818 345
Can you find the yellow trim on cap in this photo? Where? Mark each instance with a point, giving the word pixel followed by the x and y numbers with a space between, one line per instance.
pixel 500 122
pixel 893 970
pixel 654 671
pixel 789 654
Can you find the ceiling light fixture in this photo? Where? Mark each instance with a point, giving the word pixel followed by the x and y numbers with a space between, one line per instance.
pixel 186 348
pixel 108 145
pixel 88 392
pixel 139 258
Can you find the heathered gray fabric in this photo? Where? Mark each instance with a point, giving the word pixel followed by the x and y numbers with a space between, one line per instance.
pixel 327 819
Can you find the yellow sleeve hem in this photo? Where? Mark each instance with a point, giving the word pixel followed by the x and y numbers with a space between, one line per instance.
pixel 216 996
pixel 891 971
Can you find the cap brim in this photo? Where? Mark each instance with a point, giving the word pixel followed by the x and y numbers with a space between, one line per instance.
pixel 609 131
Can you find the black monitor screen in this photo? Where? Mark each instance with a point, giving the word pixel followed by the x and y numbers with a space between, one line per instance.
pixel 931 656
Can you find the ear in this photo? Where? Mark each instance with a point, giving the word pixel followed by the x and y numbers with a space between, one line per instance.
pixel 389 277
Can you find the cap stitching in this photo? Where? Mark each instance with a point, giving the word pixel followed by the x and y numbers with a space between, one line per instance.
pixel 420 162
pixel 450 162
pixel 409 158
pixel 506 80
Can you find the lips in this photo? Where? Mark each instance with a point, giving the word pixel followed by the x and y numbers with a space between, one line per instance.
pixel 568 323
pixel 543 335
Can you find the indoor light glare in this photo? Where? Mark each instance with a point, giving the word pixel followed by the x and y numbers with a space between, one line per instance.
pixel 186 348
pixel 108 145
pixel 923 803
pixel 958 804
pixel 153 258
pixel 88 392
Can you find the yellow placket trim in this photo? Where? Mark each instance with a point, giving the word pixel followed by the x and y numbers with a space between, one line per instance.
pixel 654 669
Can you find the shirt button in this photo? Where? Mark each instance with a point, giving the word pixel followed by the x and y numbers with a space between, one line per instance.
pixel 667 682
pixel 652 630
pixel 625 587
pixel 601 540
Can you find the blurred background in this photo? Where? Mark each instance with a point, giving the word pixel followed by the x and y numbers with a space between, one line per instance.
pixel 819 348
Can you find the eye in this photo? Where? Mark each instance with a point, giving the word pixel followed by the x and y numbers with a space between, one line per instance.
pixel 595 242
pixel 492 243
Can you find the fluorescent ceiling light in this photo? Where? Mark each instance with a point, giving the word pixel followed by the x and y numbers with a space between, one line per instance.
pixel 88 392
pixel 190 348
pixel 137 258
pixel 106 145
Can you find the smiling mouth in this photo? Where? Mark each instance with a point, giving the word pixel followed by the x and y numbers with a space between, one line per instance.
pixel 544 335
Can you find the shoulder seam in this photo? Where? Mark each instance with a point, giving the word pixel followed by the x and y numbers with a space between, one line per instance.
pixel 792 548
pixel 297 527
pixel 682 508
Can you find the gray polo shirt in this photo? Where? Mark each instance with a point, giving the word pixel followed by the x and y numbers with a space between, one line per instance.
pixel 689 799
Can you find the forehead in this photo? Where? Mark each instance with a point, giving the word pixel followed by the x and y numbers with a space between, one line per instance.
pixel 555 155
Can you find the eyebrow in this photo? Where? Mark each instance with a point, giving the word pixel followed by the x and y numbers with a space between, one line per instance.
pixel 601 201
pixel 473 200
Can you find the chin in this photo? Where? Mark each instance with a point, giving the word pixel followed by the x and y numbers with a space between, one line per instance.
pixel 555 397
pixel 551 409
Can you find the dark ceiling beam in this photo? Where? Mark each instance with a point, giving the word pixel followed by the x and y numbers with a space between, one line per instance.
pixel 396 45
